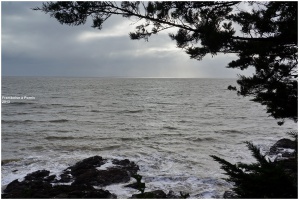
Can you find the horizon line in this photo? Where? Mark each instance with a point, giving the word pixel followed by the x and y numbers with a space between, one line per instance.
pixel 141 77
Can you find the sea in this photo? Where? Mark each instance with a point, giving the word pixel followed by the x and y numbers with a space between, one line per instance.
pixel 168 126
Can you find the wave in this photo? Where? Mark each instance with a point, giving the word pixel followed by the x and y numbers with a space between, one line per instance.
pixel 112 147
pixel 15 121
pixel 201 139
pixel 62 131
pixel 131 111
pixel 22 113
pixel 58 131
pixel 22 103
pixel 230 131
pixel 74 106
pixel 6 161
pixel 184 121
pixel 170 127
pixel 59 121
pixel 60 138
pixel 95 111
pixel 58 105
pixel 86 148
pixel 14 114
pixel 213 105
pixel 36 148
pixel 127 139
pixel 32 121
pixel 166 103
pixel 43 106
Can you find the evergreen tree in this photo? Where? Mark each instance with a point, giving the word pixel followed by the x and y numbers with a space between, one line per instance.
pixel 264 179
pixel 267 39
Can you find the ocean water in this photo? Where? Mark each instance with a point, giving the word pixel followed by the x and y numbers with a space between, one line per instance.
pixel 169 127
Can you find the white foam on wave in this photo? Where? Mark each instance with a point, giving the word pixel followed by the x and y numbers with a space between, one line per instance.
pixel 105 166
pixel 158 177
pixel 196 187
pixel 120 190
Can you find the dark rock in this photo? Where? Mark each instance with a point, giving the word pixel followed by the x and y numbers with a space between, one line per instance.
pixel 131 167
pixel 41 189
pixel 27 189
pixel 113 175
pixel 229 195
pixel 82 191
pixel 12 185
pixel 90 176
pixel 50 178
pixel 156 194
pixel 171 195
pixel 159 194
pixel 287 154
pixel 282 144
pixel 84 176
pixel 288 160
pixel 124 162
pixel 37 175
pixel 132 185
pixel 86 164
pixel 120 173
pixel 65 178
pixel 231 87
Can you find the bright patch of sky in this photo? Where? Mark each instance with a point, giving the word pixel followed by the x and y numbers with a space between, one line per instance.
pixel 33 44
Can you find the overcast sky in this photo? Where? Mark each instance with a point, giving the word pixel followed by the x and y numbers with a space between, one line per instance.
pixel 33 44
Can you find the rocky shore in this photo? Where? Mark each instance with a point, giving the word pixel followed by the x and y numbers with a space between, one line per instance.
pixel 84 179
pixel 79 181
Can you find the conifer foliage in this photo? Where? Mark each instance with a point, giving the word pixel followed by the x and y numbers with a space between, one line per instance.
pixel 264 179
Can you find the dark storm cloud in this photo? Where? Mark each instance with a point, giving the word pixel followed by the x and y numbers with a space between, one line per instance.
pixel 34 44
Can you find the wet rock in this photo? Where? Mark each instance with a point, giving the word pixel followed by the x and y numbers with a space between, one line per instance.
pixel 127 165
pixel 171 195
pixel 132 185
pixel 37 175
pixel 76 181
pixel 159 194
pixel 27 189
pixel 86 172
pixel 65 178
pixel 112 176
pixel 280 146
pixel 231 87
pixel 50 178
pixel 156 194
pixel 42 190
pixel 82 191
pixel 86 164
pixel 229 195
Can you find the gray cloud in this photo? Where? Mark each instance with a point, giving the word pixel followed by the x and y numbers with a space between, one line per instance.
pixel 33 44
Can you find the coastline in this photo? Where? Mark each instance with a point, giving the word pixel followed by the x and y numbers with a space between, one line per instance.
pixel 95 173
